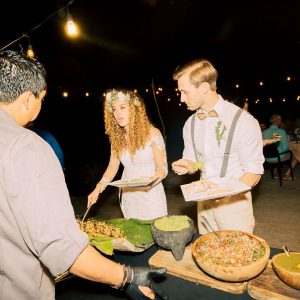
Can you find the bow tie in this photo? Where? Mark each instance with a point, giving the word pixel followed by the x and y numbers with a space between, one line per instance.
pixel 211 113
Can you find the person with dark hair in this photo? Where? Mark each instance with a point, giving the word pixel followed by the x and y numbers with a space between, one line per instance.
pixel 243 104
pixel 40 238
pixel 224 140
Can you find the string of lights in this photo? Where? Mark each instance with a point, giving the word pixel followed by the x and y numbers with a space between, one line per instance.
pixel 71 28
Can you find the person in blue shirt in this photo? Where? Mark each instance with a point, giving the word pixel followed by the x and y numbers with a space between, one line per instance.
pixel 51 140
pixel 274 131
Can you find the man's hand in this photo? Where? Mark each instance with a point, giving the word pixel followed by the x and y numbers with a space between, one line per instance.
pixel 183 166
pixel 139 286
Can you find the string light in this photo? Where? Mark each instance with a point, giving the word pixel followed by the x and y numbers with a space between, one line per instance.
pixel 29 52
pixel 65 94
pixel 36 27
pixel 71 27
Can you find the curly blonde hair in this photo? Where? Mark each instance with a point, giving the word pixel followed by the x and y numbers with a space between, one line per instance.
pixel 139 124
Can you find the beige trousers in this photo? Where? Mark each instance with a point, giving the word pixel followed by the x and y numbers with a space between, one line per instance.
pixel 228 213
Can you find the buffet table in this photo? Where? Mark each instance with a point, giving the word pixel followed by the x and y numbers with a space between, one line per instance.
pixel 176 288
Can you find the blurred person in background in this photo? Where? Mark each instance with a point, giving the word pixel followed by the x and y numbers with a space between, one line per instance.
pixel 275 132
pixel 51 140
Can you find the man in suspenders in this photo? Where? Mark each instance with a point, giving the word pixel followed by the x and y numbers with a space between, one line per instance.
pixel 224 141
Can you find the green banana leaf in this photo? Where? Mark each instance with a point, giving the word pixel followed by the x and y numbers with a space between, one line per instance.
pixel 104 244
pixel 137 232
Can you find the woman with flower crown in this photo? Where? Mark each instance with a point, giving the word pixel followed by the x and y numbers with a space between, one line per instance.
pixel 140 147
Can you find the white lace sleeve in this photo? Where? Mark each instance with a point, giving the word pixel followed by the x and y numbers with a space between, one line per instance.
pixel 160 156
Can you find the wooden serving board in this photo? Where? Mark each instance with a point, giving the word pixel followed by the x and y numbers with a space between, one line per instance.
pixel 189 270
pixel 268 286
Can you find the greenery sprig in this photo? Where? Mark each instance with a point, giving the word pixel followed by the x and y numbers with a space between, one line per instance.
pixel 220 132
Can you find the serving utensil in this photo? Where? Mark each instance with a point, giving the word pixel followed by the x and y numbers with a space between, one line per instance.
pixel 86 212
pixel 207 223
pixel 286 250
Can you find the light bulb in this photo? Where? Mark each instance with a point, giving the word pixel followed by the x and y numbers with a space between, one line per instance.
pixel 71 28
pixel 30 52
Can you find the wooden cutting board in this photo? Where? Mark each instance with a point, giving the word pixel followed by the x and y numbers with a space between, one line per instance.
pixel 189 270
pixel 267 286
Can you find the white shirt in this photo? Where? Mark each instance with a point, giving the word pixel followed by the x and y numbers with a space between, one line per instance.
pixel 246 153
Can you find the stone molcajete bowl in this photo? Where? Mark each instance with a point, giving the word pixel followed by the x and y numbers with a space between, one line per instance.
pixel 171 238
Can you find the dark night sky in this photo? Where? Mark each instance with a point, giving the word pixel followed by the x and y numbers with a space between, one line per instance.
pixel 129 43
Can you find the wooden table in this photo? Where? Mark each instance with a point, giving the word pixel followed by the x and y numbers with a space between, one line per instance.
pixel 295 148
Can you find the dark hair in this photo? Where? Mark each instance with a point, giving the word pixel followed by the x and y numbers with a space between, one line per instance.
pixel 19 74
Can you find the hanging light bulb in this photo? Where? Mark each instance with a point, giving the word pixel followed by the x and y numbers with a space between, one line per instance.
pixel 71 27
pixel 29 52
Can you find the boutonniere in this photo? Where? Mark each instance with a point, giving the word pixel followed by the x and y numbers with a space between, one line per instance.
pixel 220 130
pixel 199 165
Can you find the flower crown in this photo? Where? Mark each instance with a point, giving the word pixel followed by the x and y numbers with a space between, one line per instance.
pixel 122 96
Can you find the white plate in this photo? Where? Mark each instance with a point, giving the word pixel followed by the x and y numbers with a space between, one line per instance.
pixel 142 181
pixel 225 186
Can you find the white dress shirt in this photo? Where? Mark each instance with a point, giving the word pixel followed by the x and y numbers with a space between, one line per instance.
pixel 246 151
pixel 246 155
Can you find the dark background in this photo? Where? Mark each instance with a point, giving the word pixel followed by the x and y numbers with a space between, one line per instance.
pixel 136 43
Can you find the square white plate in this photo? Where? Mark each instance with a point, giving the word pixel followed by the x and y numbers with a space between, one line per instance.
pixel 226 186
pixel 142 181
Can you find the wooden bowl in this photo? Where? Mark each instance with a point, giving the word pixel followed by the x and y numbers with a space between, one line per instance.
pixel 173 240
pixel 289 274
pixel 230 268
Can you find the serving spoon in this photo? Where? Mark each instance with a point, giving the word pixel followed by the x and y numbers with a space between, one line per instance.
pixel 286 250
pixel 207 223
pixel 86 212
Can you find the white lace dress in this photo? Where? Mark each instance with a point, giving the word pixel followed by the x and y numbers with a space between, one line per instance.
pixel 136 202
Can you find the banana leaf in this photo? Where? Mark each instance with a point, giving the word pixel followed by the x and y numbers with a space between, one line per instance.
pixel 138 232
pixel 138 236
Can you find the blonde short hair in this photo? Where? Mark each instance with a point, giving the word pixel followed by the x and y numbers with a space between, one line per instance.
pixel 200 70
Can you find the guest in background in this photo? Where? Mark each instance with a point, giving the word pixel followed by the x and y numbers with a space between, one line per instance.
pixel 289 126
pixel 276 132
pixel 242 103
pixel 262 125
pixel 51 140
pixel 140 147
